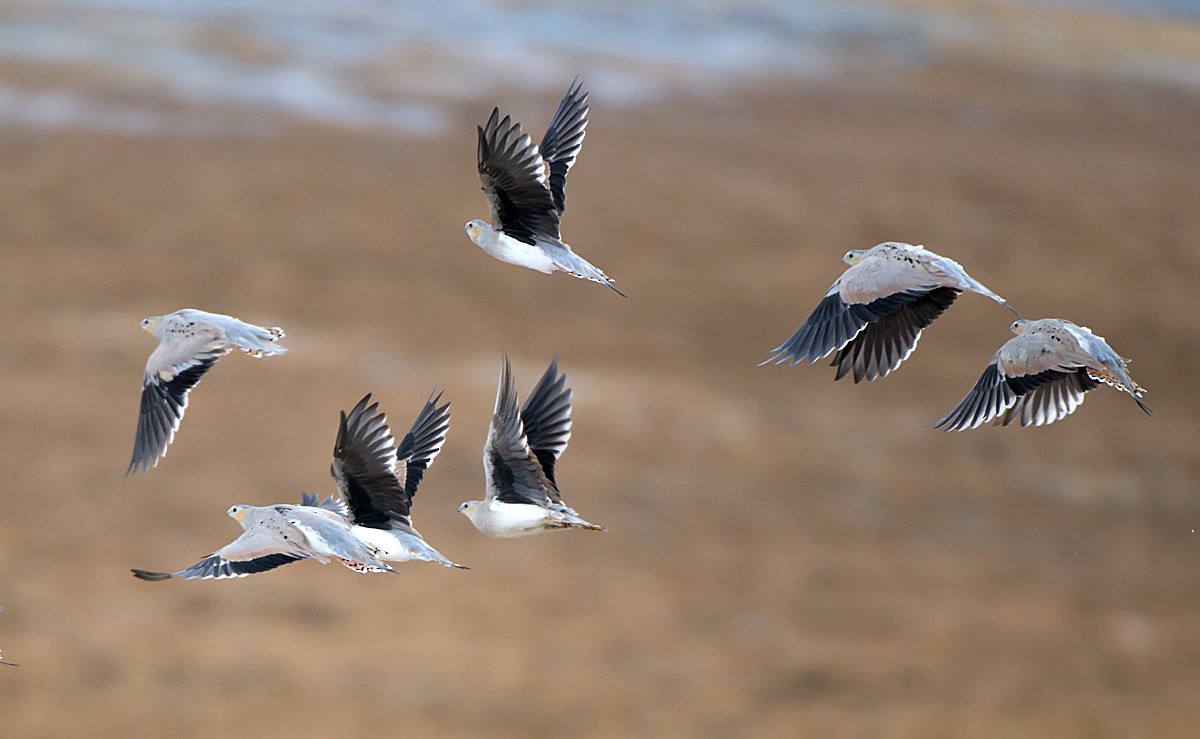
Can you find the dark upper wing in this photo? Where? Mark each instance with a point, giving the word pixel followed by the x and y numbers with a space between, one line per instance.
pixel 990 397
pixel 258 549
pixel 217 567
pixel 423 442
pixel 1055 395
pixel 834 323
pixel 1035 399
pixel 563 138
pixel 364 466
pixel 546 417
pixel 164 399
pixel 514 473
pixel 885 343
pixel 513 176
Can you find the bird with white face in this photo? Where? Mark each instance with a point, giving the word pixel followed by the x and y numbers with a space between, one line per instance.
pixel 519 458
pixel 525 186
pixel 873 315
pixel 189 343
pixel 1041 376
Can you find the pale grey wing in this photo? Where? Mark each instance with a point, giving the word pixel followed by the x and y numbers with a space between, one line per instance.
pixel 175 367
pixel 835 323
pixel 546 418
pixel 513 176
pixel 364 467
pixel 335 505
pixel 423 443
pixel 563 139
pixel 1054 395
pixel 883 344
pixel 514 473
pixel 331 536
pixel 254 340
pixel 258 549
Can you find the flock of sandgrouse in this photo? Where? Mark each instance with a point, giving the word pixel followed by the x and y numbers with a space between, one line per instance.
pixel 872 317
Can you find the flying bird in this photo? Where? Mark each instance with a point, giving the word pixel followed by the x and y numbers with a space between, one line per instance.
pixel 370 522
pixel 519 459
pixel 526 185
pixel 873 315
pixel 189 343
pixel 377 481
pixel 277 535
pixel 1041 376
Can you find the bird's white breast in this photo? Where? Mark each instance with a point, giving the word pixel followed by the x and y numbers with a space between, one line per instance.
pixel 507 520
pixel 389 545
pixel 507 249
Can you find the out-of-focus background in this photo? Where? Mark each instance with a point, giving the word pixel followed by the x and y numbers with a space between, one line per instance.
pixel 786 556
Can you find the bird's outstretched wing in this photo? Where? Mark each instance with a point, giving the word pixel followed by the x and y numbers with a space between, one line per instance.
pixel 423 442
pixel 258 549
pixel 564 137
pixel 834 324
pixel 514 473
pixel 546 418
pixel 364 467
pixel 174 368
pixel 882 345
pixel 513 175
pixel 1028 380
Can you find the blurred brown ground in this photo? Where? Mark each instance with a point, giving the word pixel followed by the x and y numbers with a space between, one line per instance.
pixel 787 556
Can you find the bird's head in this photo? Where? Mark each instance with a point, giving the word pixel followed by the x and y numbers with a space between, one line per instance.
pixel 475 229
pixel 149 322
pixel 238 512
pixel 854 256
pixel 468 508
pixel 1018 326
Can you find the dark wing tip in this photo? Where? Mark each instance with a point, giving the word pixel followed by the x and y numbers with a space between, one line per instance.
pixel 151 576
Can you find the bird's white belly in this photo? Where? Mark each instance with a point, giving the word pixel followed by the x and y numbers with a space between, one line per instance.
pixel 508 249
pixel 389 545
pixel 510 520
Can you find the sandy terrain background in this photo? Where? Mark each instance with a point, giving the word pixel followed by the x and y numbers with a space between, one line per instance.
pixel 786 556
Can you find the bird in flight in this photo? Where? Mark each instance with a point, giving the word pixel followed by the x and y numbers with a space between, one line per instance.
pixel 371 521
pixel 873 315
pixel 1041 376
pixel 525 187
pixel 377 481
pixel 519 459
pixel 189 343
pixel 277 535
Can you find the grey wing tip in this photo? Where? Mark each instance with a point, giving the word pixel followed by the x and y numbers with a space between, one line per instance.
pixel 142 464
pixel 151 576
